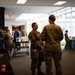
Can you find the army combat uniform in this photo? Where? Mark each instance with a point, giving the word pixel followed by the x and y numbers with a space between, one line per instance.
pixel 52 35
pixel 66 39
pixel 7 42
pixel 36 46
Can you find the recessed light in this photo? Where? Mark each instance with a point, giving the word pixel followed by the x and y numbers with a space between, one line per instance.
pixel 21 1
pixel 60 2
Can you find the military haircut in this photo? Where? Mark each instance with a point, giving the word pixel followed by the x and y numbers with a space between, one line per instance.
pixel 52 17
pixel 33 24
pixel 66 31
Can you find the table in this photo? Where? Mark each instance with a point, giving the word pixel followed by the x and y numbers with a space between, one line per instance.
pixel 71 44
pixel 23 44
pixel 5 60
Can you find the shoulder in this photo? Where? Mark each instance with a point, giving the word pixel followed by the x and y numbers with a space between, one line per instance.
pixel 57 26
pixel 31 32
pixel 46 26
pixel 37 32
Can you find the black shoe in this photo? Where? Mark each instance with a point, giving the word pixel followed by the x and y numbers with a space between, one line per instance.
pixel 40 73
pixel 33 73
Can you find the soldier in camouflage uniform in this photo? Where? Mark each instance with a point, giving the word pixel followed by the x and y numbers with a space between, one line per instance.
pixel 7 41
pixel 66 38
pixel 52 35
pixel 36 47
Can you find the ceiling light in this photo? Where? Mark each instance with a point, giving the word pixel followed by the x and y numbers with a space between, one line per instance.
pixel 60 2
pixel 21 1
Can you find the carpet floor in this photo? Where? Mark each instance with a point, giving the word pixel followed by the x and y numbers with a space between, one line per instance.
pixel 21 64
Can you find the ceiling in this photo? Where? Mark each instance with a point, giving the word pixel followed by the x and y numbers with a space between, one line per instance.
pixel 31 6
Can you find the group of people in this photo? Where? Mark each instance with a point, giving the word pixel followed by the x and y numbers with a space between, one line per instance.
pixel 7 41
pixel 49 41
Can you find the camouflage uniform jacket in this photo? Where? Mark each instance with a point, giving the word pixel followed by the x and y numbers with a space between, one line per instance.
pixel 36 42
pixel 52 35
pixel 7 39
pixel 66 37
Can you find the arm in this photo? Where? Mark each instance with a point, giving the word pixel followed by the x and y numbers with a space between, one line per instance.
pixel 31 37
pixel 40 44
pixel 61 33
pixel 44 34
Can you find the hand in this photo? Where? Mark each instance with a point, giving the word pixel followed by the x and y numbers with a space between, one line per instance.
pixel 42 47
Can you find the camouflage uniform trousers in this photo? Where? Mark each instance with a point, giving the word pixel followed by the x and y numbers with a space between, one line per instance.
pixel 35 63
pixel 48 61
pixel 67 41
pixel 7 50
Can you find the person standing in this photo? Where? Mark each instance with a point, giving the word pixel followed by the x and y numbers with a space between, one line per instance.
pixel 66 38
pixel 36 47
pixel 7 42
pixel 52 35
pixel 16 39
